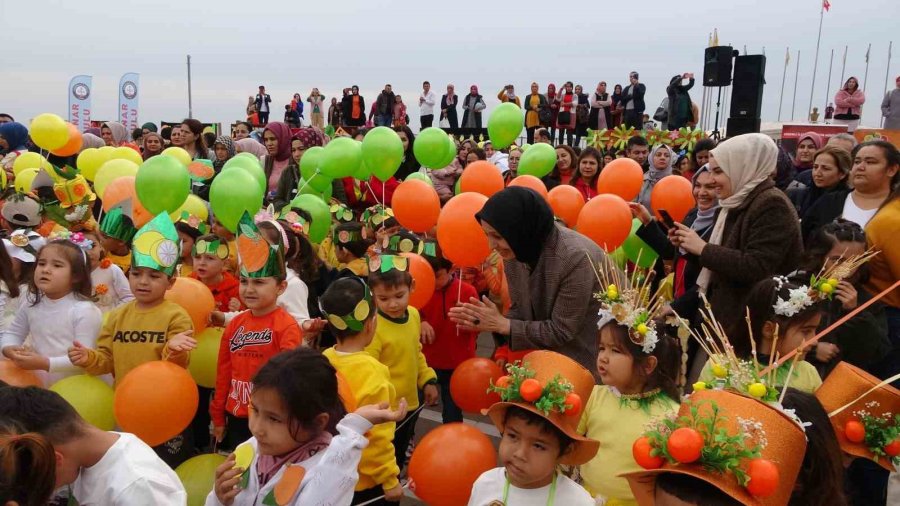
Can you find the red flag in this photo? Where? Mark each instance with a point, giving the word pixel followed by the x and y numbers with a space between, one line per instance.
pixel 826 5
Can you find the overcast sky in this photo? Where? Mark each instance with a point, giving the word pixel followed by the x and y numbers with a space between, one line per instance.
pixel 293 46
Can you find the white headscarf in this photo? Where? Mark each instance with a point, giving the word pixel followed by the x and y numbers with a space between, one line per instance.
pixel 747 160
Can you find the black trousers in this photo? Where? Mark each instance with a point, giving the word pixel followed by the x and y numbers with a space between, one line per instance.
pixel 633 118
pixel 263 117
pixel 403 436
pixel 529 132
pixel 426 120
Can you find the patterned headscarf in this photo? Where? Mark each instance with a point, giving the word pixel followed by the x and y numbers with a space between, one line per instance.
pixel 309 137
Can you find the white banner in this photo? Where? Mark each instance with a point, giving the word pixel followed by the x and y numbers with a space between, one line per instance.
pixel 128 101
pixel 80 101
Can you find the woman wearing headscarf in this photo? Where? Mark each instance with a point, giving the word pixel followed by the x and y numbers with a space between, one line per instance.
pixel 250 145
pixel 661 159
pixel 807 145
pixel 756 233
pixel 548 119
pixel 153 145
pixel 617 107
pixel 114 133
pixel 409 163
pixel 533 104
pixel 289 183
pixel 848 104
pixel 277 139
pixel 550 274
pixel 473 104
pixel 334 113
pixel 601 103
pixel 13 136
pixel 448 108
pixel 223 150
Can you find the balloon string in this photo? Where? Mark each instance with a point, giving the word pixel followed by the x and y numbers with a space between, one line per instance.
pixel 372 190
pixel 384 205
pixel 831 327
pixel 379 498
pixel 459 296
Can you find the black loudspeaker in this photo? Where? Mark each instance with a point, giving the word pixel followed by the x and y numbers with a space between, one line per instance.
pixel 717 66
pixel 747 88
pixel 738 126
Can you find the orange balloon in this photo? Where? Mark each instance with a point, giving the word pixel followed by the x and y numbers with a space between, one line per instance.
pixel 470 381
pixel 120 189
pixel 481 177
pixel 73 146
pixel 606 220
pixel 532 182
pixel 416 205
pixel 566 202
pixel 622 177
pixel 459 234
pixel 156 401
pixel 447 461
pixel 14 375
pixel 348 398
pixel 195 298
pixel 673 193
pixel 423 275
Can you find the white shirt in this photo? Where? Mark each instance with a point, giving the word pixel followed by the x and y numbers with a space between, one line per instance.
pixel 129 474
pixel 853 213
pixel 118 291
pixel 54 325
pixel 489 487
pixel 427 107
pixel 9 305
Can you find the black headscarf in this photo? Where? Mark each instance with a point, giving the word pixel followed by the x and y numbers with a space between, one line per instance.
pixel 523 218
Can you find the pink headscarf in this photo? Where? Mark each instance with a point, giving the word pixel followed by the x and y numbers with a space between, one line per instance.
pixel 283 134
pixel 249 145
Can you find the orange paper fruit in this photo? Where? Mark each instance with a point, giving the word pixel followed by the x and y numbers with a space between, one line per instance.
pixel 530 390
pixel 416 205
pixel 447 461
pixel 685 445
pixel 764 477
pixel 605 219
pixel 470 381
pixel 156 401
pixel 195 298
pixel 423 275
pixel 674 194
pixel 532 182
pixel 459 234
pixel 622 177
pixel 481 177
pixel 855 431
pixel 566 202
pixel 641 449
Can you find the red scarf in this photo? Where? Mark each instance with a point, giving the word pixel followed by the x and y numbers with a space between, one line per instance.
pixel 267 466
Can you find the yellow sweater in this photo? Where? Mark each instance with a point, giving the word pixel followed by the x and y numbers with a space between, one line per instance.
pixel 370 382
pixel 884 269
pixel 124 261
pixel 804 378
pixel 327 254
pixel 396 345
pixel 616 427
pixel 131 337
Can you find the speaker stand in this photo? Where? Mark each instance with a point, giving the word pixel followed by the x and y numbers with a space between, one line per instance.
pixel 716 135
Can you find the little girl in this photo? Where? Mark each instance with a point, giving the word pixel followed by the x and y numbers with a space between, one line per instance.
pixel 111 288
pixel 16 270
pixel 399 112
pixel 783 314
pixel 58 311
pixel 303 443
pixel 639 370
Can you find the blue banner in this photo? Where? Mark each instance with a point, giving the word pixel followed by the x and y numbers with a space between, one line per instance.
pixel 128 100
pixel 80 101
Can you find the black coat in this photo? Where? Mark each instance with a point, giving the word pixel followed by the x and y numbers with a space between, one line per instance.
pixel 347 108
pixel 827 209
pixel 474 101
pixel 637 96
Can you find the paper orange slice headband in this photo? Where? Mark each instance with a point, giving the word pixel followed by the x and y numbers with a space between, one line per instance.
pixel 258 257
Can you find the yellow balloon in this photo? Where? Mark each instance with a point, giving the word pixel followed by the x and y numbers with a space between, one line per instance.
pixel 24 180
pixel 49 131
pixel 2 180
pixel 30 161
pixel 193 205
pixel 91 398
pixel 108 150
pixel 126 153
pixel 180 154
pixel 205 357
pixel 111 170
pixel 90 160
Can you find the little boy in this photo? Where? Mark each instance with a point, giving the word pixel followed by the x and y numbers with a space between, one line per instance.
pixel 116 233
pixel 347 305
pixel 536 440
pixel 253 336
pixel 351 242
pixel 109 468
pixel 210 252
pixel 396 343
pixel 445 346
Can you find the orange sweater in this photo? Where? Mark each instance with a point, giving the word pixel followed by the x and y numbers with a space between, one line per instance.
pixel 247 343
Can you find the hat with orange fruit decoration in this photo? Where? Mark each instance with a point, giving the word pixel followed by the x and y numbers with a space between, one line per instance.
pixel 865 414
pixel 554 387
pixel 748 449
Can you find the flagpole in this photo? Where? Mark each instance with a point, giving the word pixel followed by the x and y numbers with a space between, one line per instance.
pixel 866 75
pixel 828 82
pixel 796 76
pixel 843 66
pixel 787 59
pixel 812 88
pixel 190 101
pixel 887 75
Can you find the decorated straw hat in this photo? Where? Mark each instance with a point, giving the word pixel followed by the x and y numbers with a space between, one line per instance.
pixel 746 448
pixel 554 387
pixel 865 414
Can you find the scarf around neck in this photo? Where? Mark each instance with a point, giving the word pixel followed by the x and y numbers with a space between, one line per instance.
pixel 267 466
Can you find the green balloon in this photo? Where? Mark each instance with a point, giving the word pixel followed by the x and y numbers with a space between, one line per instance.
pixel 307 189
pixel 505 125
pixel 430 148
pixel 538 160
pixel 456 188
pixel 382 151
pixel 251 167
pixel 421 177
pixel 91 398
pixel 451 153
pixel 309 168
pixel 341 158
pixel 247 154
pixel 636 250
pixel 319 212
pixel 363 173
pixel 198 475
pixel 233 193
pixel 162 184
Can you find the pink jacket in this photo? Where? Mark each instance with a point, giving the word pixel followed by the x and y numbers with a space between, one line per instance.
pixel 844 100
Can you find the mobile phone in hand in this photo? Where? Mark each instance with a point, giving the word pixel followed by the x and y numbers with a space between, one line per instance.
pixel 666 218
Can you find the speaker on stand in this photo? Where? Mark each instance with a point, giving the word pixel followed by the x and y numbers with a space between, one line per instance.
pixel 746 94
pixel 717 66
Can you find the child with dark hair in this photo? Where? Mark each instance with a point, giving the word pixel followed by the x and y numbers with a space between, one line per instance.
pixel 110 284
pixel 348 307
pixel 305 447
pixel 538 434
pixel 351 241
pixel 27 469
pixel 116 232
pixel 444 345
pixel 209 253
pixel 396 343
pixel 113 468
pixel 17 258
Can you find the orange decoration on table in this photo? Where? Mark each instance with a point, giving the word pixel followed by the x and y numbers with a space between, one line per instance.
pixel 195 298
pixel 529 181
pixel 622 177
pixel 459 234
pixel 447 461
pixel 469 384
pixel 416 205
pixel 566 202
pixel 423 276
pixel 674 194
pixel 605 219
pixel 481 177
pixel 156 401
